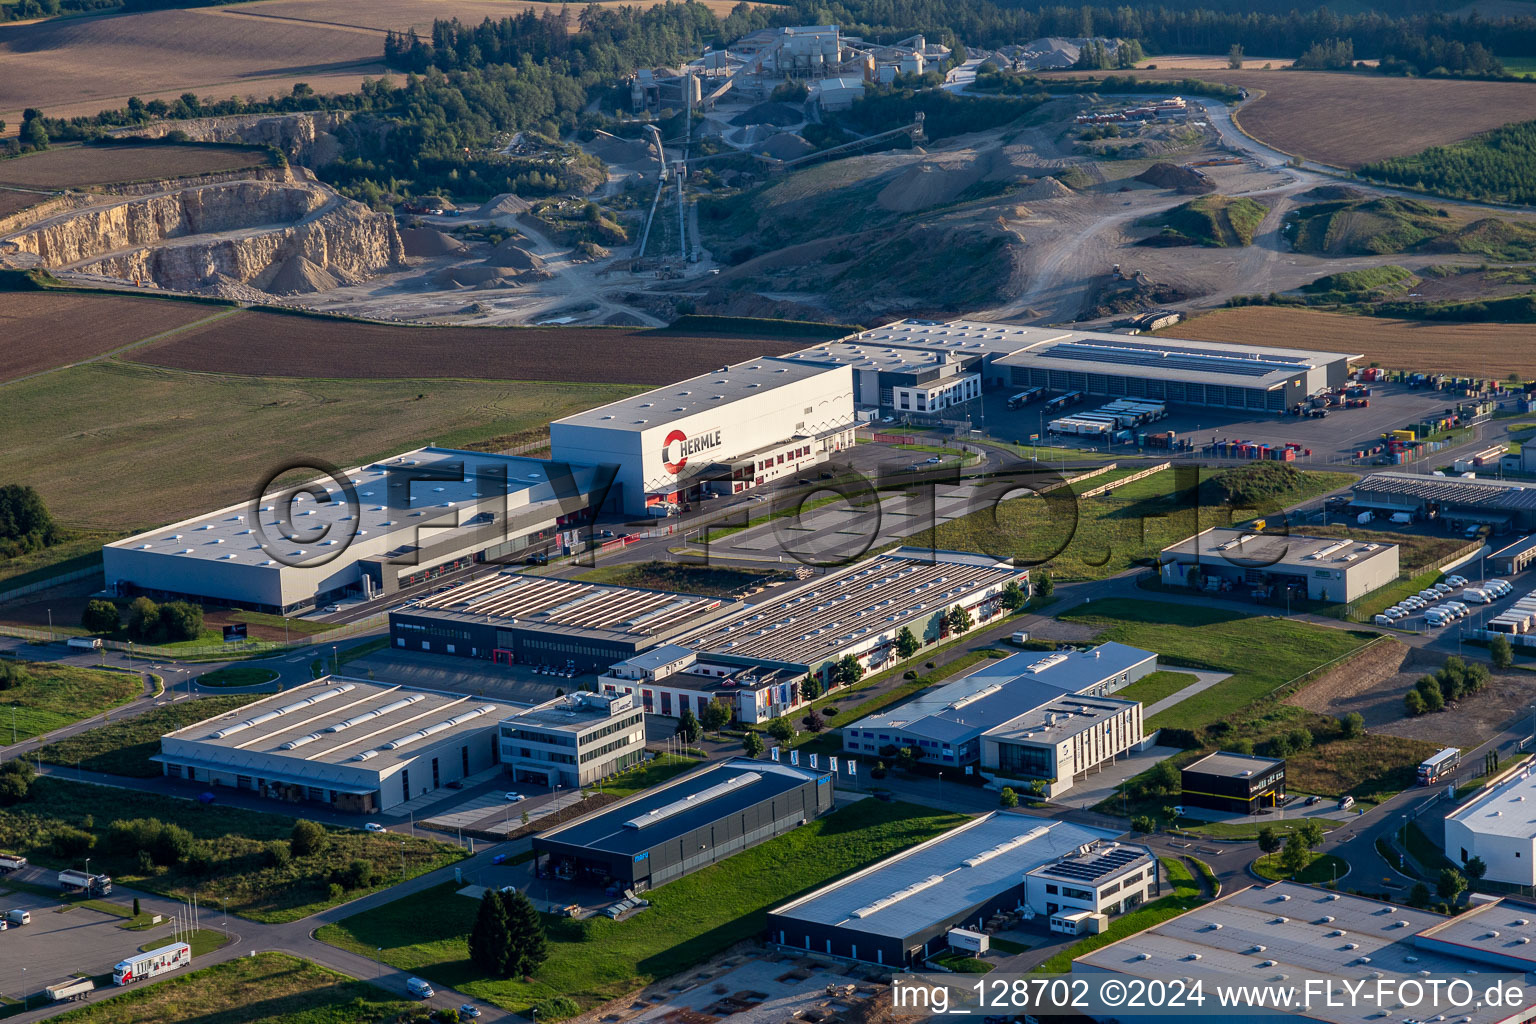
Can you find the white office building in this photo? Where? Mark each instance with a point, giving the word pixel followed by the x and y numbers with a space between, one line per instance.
pixel 726 432
pixel 1498 826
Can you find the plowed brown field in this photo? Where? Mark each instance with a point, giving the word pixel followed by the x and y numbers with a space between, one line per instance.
pixel 1349 119
pixel 40 330
pixel 1486 350
pixel 81 166
pixel 275 345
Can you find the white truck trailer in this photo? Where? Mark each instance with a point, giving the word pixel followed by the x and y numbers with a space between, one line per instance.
pixel 153 963
pixel 92 885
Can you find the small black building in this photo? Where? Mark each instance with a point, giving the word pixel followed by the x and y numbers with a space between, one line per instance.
pixel 690 823
pixel 1239 783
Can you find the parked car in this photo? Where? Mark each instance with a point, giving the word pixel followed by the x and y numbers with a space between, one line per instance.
pixel 1456 581
pixel 934 461
pixel 469 1011
pixel 514 798
pixel 500 858
pixel 330 609
pixel 374 826
pixel 1312 800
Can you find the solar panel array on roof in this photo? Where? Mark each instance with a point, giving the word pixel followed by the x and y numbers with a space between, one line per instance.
pixel 1086 869
pixel 1174 357
pixel 557 602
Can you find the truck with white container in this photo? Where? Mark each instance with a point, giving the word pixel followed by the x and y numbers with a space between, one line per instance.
pixel 85 643
pixel 11 862
pixel 153 963
pixel 74 988
pixel 91 885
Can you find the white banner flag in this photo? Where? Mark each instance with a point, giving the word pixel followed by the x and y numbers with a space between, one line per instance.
pixel 832 765
pixel 853 767
pixel 813 761
pixel 774 753
pixel 794 758
pixel 968 770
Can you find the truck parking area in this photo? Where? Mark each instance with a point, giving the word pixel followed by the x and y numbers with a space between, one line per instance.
pixel 62 940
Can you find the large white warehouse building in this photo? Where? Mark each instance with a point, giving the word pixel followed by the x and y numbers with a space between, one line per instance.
pixel 726 431
pixel 375 530
pixel 1500 827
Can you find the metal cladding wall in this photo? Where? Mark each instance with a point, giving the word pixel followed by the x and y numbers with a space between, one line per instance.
pixel 852 944
pixel 469 639
pixel 1225 792
pixel 674 857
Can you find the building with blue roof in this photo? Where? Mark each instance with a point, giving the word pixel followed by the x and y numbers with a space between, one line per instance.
pixel 1029 716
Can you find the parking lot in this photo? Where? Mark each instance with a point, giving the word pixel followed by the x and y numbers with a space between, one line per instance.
pixel 1332 438
pixel 62 940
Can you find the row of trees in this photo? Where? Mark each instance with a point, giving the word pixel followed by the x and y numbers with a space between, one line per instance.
pixel 1451 682
pixel 152 623
pixel 25 523
pixel 1495 165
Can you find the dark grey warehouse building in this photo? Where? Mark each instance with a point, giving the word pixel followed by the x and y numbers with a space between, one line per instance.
pixel 692 822
pixel 538 620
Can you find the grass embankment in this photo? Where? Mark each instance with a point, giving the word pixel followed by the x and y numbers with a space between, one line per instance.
pixel 80 550
pixel 44 829
pixel 1320 870
pixel 1099 537
pixel 268 988
pixel 50 696
pixel 1360 285
pixel 691 919
pixel 1385 225
pixel 237 675
pixel 1154 686
pixel 125 747
pixel 1216 221
pixel 1262 654
pixel 1185 897
pixel 682 577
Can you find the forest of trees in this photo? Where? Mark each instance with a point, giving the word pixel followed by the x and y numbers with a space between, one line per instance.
pixel 1495 165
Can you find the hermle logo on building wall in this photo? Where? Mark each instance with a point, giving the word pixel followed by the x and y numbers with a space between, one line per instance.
pixel 679 447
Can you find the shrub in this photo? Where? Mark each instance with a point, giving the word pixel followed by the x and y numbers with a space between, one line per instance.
pixel 277 855
pixel 68 841
pixel 100 616
pixel 1413 703
pixel 1008 798
pixel 308 838
pixel 15 780
pixel 12 675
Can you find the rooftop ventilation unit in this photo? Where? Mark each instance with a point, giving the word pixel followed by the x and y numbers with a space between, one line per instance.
pixel 261 719
pixel 897 896
pixel 376 712
pixel 1006 846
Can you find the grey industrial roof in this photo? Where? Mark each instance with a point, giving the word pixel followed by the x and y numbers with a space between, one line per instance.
pixel 659 656
pixel 682 805
pixel 1519 547
pixel 337 720
pixel 1496 494
pixel 569 607
pixel 571 712
pixel 1247 549
pixel 697 394
pixel 1061 719
pixel 933 882
pixel 1296 933
pixel 1498 930
pixel 1508 809
pixel 827 615
pixel 386 511
pixel 1208 362
pixel 1234 766
pixel 1004 691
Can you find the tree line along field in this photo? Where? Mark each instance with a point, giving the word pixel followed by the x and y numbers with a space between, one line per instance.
pixel 230 856
pixel 1352 118
pixel 267 987
pixel 1480 349
pixel 84 166
pixel 594 960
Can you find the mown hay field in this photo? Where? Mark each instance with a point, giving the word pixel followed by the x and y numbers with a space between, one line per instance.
pixel 1485 350
pixel 1352 118
pixel 84 166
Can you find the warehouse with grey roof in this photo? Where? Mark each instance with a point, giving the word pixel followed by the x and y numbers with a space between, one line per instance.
pixel 356 745
pixel 1458 500
pixel 901 910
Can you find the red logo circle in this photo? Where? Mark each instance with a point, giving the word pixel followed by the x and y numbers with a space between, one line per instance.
pixel 673 467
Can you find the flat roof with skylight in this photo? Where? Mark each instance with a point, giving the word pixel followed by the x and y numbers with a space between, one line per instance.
pixel 704 393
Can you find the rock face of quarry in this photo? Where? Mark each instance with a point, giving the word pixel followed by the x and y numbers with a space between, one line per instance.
pixel 308 139
pixel 278 237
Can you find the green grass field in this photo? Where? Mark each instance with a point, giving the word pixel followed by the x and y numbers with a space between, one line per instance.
pixel 120 446
pixel 1098 537
pixel 52 696
pixel 125 747
pixel 234 840
pixel 1320 870
pixel 268 988
pixel 1262 653
pixel 1154 686
pixel 691 919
